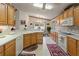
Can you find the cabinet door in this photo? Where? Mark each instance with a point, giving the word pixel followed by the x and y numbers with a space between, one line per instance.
pixel 3 14
pixel 26 40
pixel 71 46
pixel 71 12
pixel 11 14
pixel 33 38
pixel 1 50
pixel 61 18
pixel 65 14
pixel 10 48
pixel 76 15
pixel 40 38
pixel 77 48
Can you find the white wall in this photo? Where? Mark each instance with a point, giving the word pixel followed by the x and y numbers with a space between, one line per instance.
pixel 25 16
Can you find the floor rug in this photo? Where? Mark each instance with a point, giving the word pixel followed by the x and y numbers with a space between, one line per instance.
pixel 31 48
pixel 24 53
pixel 55 50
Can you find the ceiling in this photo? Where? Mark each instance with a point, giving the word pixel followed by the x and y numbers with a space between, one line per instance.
pixel 34 11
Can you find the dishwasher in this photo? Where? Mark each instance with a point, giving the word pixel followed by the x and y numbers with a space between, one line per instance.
pixel 19 45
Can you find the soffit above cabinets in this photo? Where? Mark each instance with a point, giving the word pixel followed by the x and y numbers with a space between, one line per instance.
pixel 34 11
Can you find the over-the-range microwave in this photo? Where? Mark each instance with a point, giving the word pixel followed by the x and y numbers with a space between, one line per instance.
pixel 68 22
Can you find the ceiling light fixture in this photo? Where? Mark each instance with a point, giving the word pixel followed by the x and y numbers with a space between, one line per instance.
pixel 48 6
pixel 40 5
pixel 43 6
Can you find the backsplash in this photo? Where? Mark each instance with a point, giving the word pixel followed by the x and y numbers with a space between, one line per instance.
pixel 71 29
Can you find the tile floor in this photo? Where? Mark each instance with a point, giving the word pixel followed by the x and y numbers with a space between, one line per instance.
pixel 42 49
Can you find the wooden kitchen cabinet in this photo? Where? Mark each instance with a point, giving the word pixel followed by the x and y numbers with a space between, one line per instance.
pixel 78 48
pixel 54 36
pixel 3 14
pixel 33 38
pixel 40 37
pixel 61 18
pixel 71 46
pixel 71 12
pixel 76 15
pixel 11 15
pixel 10 48
pixel 65 14
pixel 7 13
pixel 26 40
pixel 1 50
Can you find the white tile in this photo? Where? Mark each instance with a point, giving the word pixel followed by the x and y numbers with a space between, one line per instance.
pixel 48 40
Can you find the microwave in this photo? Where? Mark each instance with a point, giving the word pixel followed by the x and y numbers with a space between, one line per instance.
pixel 68 22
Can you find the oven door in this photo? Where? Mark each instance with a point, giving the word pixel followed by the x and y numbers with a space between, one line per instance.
pixel 62 42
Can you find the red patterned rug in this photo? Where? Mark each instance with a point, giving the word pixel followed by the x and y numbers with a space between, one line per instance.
pixel 55 50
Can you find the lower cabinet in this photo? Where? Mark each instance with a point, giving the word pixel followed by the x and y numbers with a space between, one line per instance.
pixel 54 36
pixel 40 37
pixel 1 50
pixel 77 48
pixel 26 40
pixel 10 48
pixel 32 38
pixel 71 46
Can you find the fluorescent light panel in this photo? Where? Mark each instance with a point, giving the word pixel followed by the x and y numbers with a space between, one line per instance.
pixel 40 5
pixel 48 6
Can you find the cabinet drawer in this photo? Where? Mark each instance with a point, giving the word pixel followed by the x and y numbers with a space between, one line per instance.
pixel 9 44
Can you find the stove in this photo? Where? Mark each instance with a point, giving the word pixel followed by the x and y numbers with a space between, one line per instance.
pixel 62 41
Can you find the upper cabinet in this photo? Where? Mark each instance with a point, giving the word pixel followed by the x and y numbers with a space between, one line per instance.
pixel 7 14
pixel 76 15
pixel 3 14
pixel 61 18
pixel 65 14
pixel 71 12
pixel 11 15
pixel 70 16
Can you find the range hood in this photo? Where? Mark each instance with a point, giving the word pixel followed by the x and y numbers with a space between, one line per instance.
pixel 68 22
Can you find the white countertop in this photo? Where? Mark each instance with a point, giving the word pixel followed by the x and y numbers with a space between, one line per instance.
pixel 75 36
pixel 17 33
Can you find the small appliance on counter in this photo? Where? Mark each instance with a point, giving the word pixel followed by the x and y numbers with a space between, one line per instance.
pixel 68 22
